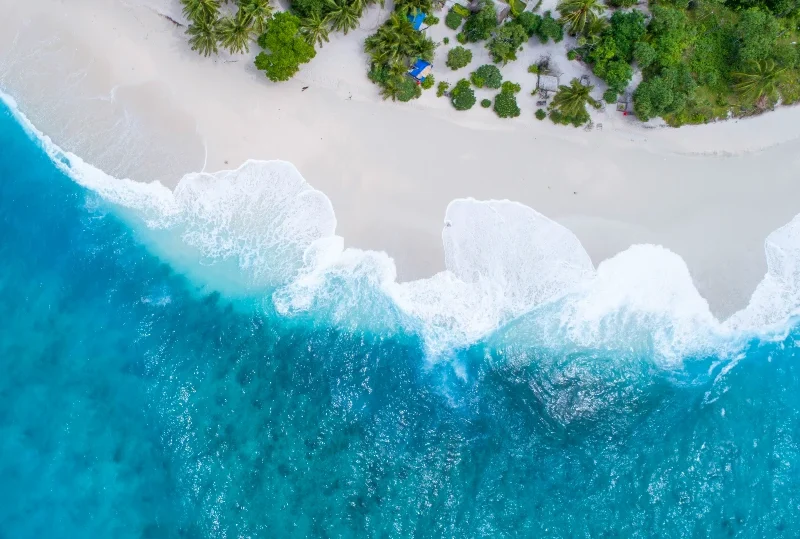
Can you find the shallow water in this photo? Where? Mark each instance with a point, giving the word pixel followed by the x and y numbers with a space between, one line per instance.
pixel 141 402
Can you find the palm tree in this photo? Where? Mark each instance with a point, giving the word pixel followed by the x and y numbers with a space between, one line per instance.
pixel 235 32
pixel 571 100
pixel 204 35
pixel 422 48
pixel 314 29
pixel 259 12
pixel 393 41
pixel 760 83
pixel 343 15
pixel 578 15
pixel 196 10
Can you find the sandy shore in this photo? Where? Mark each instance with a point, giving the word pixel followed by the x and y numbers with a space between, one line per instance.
pixel 116 83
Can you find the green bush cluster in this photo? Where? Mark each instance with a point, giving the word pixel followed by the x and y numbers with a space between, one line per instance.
pixel 610 96
pixel 510 87
pixel 453 20
pixel 613 53
pixel 505 103
pixel 540 114
pixel 487 76
pixel 506 41
pixel 428 83
pixel 285 50
pixel 481 24
pixel 462 96
pixel 441 88
pixel 486 103
pixel 458 57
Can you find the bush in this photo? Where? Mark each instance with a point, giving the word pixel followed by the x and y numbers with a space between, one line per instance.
pixel 458 57
pixel 505 105
pixel 407 89
pixel 610 96
pixel 644 54
pixel 287 49
pixel 461 10
pixel 487 76
pixel 431 20
pixel 453 20
pixel 506 40
pixel 427 84
pixel 486 103
pixel 510 87
pixel 442 88
pixel 530 22
pixel 445 40
pixel 549 29
pixel 540 114
pixel 533 68
pixel 622 3
pixel 461 38
pixel 479 26
pixel 572 54
pixel 462 96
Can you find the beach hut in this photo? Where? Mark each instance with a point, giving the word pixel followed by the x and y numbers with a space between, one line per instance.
pixel 416 19
pixel 420 70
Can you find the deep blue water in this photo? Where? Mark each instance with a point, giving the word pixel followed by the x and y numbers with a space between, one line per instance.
pixel 134 403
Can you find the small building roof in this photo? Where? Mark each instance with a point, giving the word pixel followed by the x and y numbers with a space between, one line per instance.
pixel 420 69
pixel 416 19
pixel 548 82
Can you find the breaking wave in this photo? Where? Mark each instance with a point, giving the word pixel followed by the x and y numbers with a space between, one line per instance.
pixel 261 230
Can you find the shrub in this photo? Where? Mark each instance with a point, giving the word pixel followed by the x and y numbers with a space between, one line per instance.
pixel 442 88
pixel 427 84
pixel 505 105
pixel 287 49
pixel 431 20
pixel 487 76
pixel 610 96
pixel 461 38
pixel 622 3
pixel 572 54
pixel 506 40
pixel 510 87
pixel 533 68
pixel 462 96
pixel 407 89
pixel 644 54
pixel 461 10
pixel 486 103
pixel 549 29
pixel 453 20
pixel 530 22
pixel 445 40
pixel 458 57
pixel 540 114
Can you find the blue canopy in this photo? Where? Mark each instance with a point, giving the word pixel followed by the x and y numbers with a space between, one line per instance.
pixel 416 19
pixel 420 70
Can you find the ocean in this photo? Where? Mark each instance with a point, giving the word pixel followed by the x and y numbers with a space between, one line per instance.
pixel 214 363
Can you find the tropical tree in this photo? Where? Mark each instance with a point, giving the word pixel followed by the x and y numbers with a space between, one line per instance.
pixel 259 12
pixel 422 48
pixel 343 15
pixel 760 83
pixel 197 10
pixel 579 15
pixel 569 104
pixel 393 41
pixel 314 29
pixel 405 7
pixel 287 49
pixel 235 32
pixel 203 36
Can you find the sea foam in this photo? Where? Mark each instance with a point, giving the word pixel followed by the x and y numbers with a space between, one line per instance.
pixel 504 261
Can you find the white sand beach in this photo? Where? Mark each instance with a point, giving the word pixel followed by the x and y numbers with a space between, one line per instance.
pixel 115 82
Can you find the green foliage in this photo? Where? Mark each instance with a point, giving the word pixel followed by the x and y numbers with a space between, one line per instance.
pixel 578 15
pixel 235 32
pixel 572 54
pixel 506 41
pixel 487 76
pixel 259 12
pixel 510 87
pixel 307 8
pixel 622 3
pixel 530 22
pixel 314 29
pixel 442 88
pixel 505 105
pixel 462 96
pixel 486 103
pixel 343 15
pixel 534 69
pixel 406 89
pixel 427 84
pixel 760 82
pixel 540 114
pixel 445 40
pixel 286 49
pixel 549 28
pixel 569 104
pixel 453 20
pixel 614 49
pixel 431 20
pixel 667 93
pixel 481 24
pixel 458 57
pixel 610 96
pixel 756 35
pixel 200 10
pixel 461 38
pixel 644 54
pixel 203 36
pixel 461 10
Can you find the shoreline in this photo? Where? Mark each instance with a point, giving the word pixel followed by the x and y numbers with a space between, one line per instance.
pixel 118 86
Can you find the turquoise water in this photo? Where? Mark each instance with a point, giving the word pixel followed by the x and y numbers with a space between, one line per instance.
pixel 136 403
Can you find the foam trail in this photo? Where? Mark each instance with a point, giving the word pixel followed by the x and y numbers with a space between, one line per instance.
pixel 503 260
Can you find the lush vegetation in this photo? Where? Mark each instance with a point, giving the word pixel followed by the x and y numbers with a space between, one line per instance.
pixel 393 49
pixel 486 103
pixel 569 104
pixel 505 42
pixel 458 57
pixel 540 114
pixel 209 30
pixel 487 76
pixel 453 20
pixel 285 48
pixel 580 15
pixel 544 27
pixel 481 24
pixel 505 103
pixel 611 52
pixel 462 96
